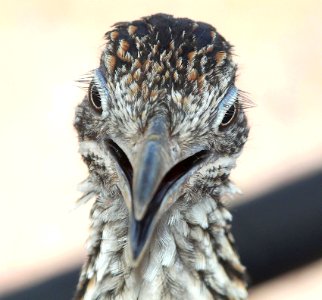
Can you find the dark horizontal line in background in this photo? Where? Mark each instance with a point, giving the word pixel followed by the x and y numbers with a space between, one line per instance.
pixel 274 233
pixel 281 230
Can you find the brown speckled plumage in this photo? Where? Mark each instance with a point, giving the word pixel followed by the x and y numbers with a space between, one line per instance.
pixel 160 130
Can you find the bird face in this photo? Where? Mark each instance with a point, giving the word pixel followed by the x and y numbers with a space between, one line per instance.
pixel 162 120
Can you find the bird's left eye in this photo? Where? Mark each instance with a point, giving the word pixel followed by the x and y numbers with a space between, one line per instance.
pixel 94 97
pixel 229 116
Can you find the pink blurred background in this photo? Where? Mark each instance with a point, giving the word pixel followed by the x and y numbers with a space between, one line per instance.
pixel 47 45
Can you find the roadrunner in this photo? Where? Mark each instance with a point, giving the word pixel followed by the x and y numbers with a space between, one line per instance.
pixel 160 130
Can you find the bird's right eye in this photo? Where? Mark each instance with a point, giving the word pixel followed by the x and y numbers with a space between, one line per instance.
pixel 94 97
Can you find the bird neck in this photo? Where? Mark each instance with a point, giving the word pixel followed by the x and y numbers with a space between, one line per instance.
pixel 191 255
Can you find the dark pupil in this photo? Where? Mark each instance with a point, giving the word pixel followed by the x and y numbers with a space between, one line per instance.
pixel 228 115
pixel 95 97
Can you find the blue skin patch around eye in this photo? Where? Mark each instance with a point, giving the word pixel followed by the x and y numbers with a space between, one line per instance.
pixel 100 83
pixel 100 80
pixel 228 100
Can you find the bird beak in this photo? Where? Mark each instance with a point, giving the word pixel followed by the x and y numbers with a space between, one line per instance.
pixel 150 166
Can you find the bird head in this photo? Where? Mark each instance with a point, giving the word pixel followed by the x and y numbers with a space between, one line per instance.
pixel 162 119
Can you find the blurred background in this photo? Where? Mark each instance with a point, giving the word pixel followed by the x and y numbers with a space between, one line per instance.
pixel 47 45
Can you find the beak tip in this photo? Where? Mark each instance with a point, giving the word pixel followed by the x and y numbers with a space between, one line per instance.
pixel 135 255
pixel 136 240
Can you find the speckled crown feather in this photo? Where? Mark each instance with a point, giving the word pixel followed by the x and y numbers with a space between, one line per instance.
pixel 161 52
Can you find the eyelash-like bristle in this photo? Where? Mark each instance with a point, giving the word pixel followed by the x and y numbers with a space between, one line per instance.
pixel 84 81
pixel 244 100
pixel 93 75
